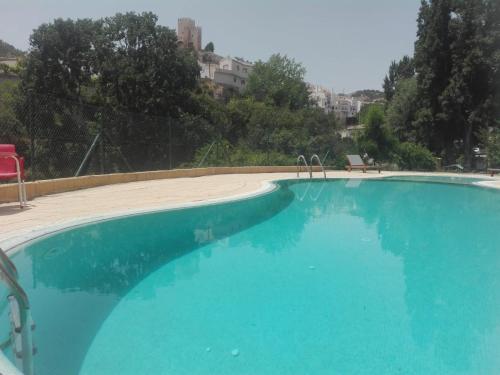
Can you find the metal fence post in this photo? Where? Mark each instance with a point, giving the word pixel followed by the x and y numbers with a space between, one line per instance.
pixel 169 143
pixel 32 139
pixel 101 152
pixel 89 151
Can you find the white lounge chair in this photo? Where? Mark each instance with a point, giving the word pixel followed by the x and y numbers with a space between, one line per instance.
pixel 355 162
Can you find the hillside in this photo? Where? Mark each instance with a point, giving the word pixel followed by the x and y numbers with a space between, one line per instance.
pixel 368 95
pixel 7 50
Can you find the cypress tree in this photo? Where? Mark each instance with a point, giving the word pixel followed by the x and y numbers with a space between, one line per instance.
pixel 457 60
pixel 433 67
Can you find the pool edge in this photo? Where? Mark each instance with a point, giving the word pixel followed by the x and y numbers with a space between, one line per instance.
pixel 10 244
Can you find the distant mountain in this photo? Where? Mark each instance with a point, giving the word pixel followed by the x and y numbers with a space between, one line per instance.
pixel 368 95
pixel 7 50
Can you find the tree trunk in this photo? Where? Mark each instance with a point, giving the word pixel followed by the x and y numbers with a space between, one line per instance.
pixel 468 146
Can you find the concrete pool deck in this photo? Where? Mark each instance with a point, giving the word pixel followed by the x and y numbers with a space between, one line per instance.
pixel 53 212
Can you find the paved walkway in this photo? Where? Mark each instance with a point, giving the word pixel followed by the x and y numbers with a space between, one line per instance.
pixel 53 212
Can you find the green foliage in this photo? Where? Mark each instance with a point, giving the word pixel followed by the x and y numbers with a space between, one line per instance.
pixel 337 156
pixel 457 54
pixel 404 69
pixel 223 153
pixel 279 82
pixel 8 50
pixel 262 133
pixel 60 59
pixel 376 139
pixel 10 126
pixel 402 110
pixel 140 67
pixel 412 156
pixel 265 127
pixel 5 69
pixel 209 47
pixel 144 90
pixel 489 139
pixel 365 109
pixel 127 61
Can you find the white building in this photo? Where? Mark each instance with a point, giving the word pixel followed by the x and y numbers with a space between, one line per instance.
pixel 232 73
pixel 321 96
pixel 345 107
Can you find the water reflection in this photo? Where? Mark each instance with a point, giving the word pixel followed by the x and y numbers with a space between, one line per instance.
pixel 76 277
pixel 316 191
pixel 443 237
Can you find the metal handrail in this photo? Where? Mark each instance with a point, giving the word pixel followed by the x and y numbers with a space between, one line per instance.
pixel 320 164
pixel 11 267
pixel 301 157
pixel 23 325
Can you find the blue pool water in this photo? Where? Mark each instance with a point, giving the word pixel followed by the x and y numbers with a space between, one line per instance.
pixel 337 277
pixel 462 180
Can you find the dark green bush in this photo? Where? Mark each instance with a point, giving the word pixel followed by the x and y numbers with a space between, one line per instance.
pixel 412 156
pixel 376 139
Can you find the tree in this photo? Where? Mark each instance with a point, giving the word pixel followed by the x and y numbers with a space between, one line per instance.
pixel 140 67
pixel 280 82
pixel 54 77
pixel 433 67
pixel 127 61
pixel 376 139
pixel 60 61
pixel 469 98
pixel 11 129
pixel 404 69
pixel 457 58
pixel 489 139
pixel 128 66
pixel 209 47
pixel 365 109
pixel 402 109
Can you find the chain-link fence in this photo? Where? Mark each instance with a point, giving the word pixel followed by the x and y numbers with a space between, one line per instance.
pixel 61 138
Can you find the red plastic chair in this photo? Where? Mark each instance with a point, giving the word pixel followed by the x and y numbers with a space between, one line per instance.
pixel 12 167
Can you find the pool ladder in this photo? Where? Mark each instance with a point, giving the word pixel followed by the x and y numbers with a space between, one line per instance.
pixel 310 167
pixel 22 325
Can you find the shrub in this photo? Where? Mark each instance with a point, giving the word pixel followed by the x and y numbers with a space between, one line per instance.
pixel 376 138
pixel 489 139
pixel 412 156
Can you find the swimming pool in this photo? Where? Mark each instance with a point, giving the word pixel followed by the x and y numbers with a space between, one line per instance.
pixel 461 180
pixel 315 277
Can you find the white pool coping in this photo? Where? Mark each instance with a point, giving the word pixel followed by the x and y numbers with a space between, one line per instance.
pixel 12 244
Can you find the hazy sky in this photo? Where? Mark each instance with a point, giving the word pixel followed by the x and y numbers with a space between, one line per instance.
pixel 344 44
